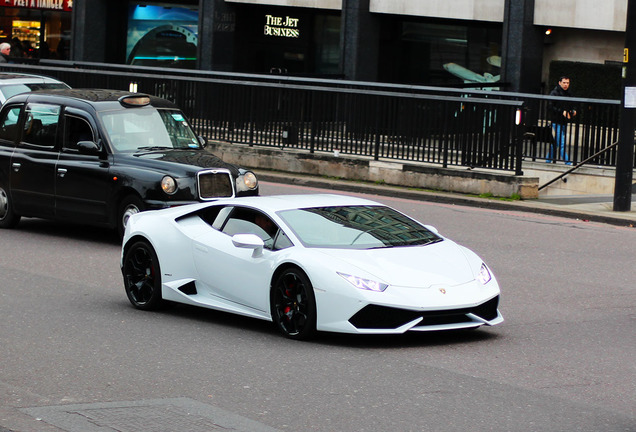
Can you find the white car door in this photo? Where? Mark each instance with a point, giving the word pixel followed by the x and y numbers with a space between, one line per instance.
pixel 233 273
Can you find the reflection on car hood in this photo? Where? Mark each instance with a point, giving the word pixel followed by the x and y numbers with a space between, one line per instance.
pixel 441 263
pixel 197 158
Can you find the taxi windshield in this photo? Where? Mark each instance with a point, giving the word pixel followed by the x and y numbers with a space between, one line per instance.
pixel 132 130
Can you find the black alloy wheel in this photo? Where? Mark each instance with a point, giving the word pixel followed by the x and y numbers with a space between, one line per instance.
pixel 142 276
pixel 8 218
pixel 293 305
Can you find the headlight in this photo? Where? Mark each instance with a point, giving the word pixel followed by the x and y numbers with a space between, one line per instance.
pixel 169 185
pixel 484 275
pixel 249 181
pixel 364 284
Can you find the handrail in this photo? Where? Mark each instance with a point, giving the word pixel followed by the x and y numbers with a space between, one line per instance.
pixel 579 165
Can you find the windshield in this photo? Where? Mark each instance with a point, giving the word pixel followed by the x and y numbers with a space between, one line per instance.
pixel 148 128
pixel 356 227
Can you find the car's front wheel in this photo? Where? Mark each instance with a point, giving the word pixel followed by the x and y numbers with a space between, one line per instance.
pixel 128 207
pixel 8 218
pixel 293 304
pixel 142 276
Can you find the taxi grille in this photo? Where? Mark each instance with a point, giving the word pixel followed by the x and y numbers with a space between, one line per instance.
pixel 215 184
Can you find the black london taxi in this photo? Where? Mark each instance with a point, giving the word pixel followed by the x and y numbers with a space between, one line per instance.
pixel 98 156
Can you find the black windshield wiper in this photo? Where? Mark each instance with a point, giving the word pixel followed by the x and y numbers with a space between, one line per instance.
pixel 154 148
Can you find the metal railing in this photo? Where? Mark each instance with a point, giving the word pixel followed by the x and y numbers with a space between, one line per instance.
pixel 593 130
pixel 371 120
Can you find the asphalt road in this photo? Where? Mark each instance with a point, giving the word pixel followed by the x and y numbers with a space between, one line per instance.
pixel 75 356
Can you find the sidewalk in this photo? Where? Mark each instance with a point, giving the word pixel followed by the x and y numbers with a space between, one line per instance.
pixel 597 208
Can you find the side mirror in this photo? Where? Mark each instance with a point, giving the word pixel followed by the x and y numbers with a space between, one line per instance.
pixel 203 141
pixel 249 241
pixel 89 147
pixel 432 229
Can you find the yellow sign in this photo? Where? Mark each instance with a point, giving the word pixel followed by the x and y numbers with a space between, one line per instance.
pixel 283 27
pixel 626 55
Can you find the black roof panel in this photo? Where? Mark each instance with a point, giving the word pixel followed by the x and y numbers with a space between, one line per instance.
pixel 97 96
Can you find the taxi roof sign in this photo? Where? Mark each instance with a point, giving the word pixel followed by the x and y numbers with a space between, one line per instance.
pixel 136 100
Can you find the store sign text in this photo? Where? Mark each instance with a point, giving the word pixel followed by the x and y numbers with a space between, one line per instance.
pixel 62 5
pixel 281 27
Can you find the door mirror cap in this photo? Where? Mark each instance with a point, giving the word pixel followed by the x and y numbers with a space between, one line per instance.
pixel 249 241
pixel 89 147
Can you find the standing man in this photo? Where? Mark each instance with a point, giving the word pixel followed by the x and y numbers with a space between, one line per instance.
pixel 562 113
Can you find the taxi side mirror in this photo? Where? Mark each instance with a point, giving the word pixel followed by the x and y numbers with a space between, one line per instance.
pixel 89 147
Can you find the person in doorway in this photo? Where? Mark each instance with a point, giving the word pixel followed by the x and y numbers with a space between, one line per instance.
pixel 16 48
pixel 5 52
pixel 562 113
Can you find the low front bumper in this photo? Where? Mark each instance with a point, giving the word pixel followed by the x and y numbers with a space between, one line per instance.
pixel 400 309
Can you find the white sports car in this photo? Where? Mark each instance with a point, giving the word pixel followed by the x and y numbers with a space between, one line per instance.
pixel 308 262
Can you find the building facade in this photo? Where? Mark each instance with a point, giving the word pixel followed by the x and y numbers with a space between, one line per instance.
pixel 506 44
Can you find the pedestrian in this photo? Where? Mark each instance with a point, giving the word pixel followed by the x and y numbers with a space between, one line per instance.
pixel 5 52
pixel 562 113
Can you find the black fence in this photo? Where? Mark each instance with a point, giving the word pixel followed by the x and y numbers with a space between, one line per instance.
pixel 448 127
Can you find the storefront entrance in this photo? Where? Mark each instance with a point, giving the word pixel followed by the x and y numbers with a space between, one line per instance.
pixel 36 31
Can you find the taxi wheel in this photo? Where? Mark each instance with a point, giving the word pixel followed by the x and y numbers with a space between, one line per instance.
pixel 128 207
pixel 8 218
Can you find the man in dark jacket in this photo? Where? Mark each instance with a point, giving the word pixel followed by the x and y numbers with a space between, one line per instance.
pixel 562 113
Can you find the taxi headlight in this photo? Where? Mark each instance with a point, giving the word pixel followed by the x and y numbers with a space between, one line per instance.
pixel 168 185
pixel 249 181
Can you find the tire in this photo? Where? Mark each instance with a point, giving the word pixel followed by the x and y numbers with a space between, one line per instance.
pixel 129 206
pixel 293 305
pixel 8 218
pixel 142 276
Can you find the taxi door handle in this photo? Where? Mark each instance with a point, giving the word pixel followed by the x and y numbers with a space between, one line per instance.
pixel 61 172
pixel 16 166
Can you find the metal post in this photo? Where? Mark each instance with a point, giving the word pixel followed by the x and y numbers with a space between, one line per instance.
pixel 625 154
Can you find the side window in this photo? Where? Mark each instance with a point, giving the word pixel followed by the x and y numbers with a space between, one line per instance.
pixel 9 124
pixel 215 215
pixel 249 221
pixel 40 126
pixel 76 129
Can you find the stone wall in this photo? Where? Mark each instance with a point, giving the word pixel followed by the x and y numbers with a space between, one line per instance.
pixel 413 175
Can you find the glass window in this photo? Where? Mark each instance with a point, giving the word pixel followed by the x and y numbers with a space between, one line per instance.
pixel 436 52
pixel 356 227
pixel 9 124
pixel 14 89
pixel 148 128
pixel 327 44
pixel 249 221
pixel 75 130
pixel 162 35
pixel 40 127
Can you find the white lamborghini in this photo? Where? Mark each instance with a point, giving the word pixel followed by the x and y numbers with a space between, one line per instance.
pixel 308 263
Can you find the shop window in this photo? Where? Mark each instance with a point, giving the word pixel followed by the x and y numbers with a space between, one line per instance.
pixel 162 36
pixel 435 53
pixel 327 44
